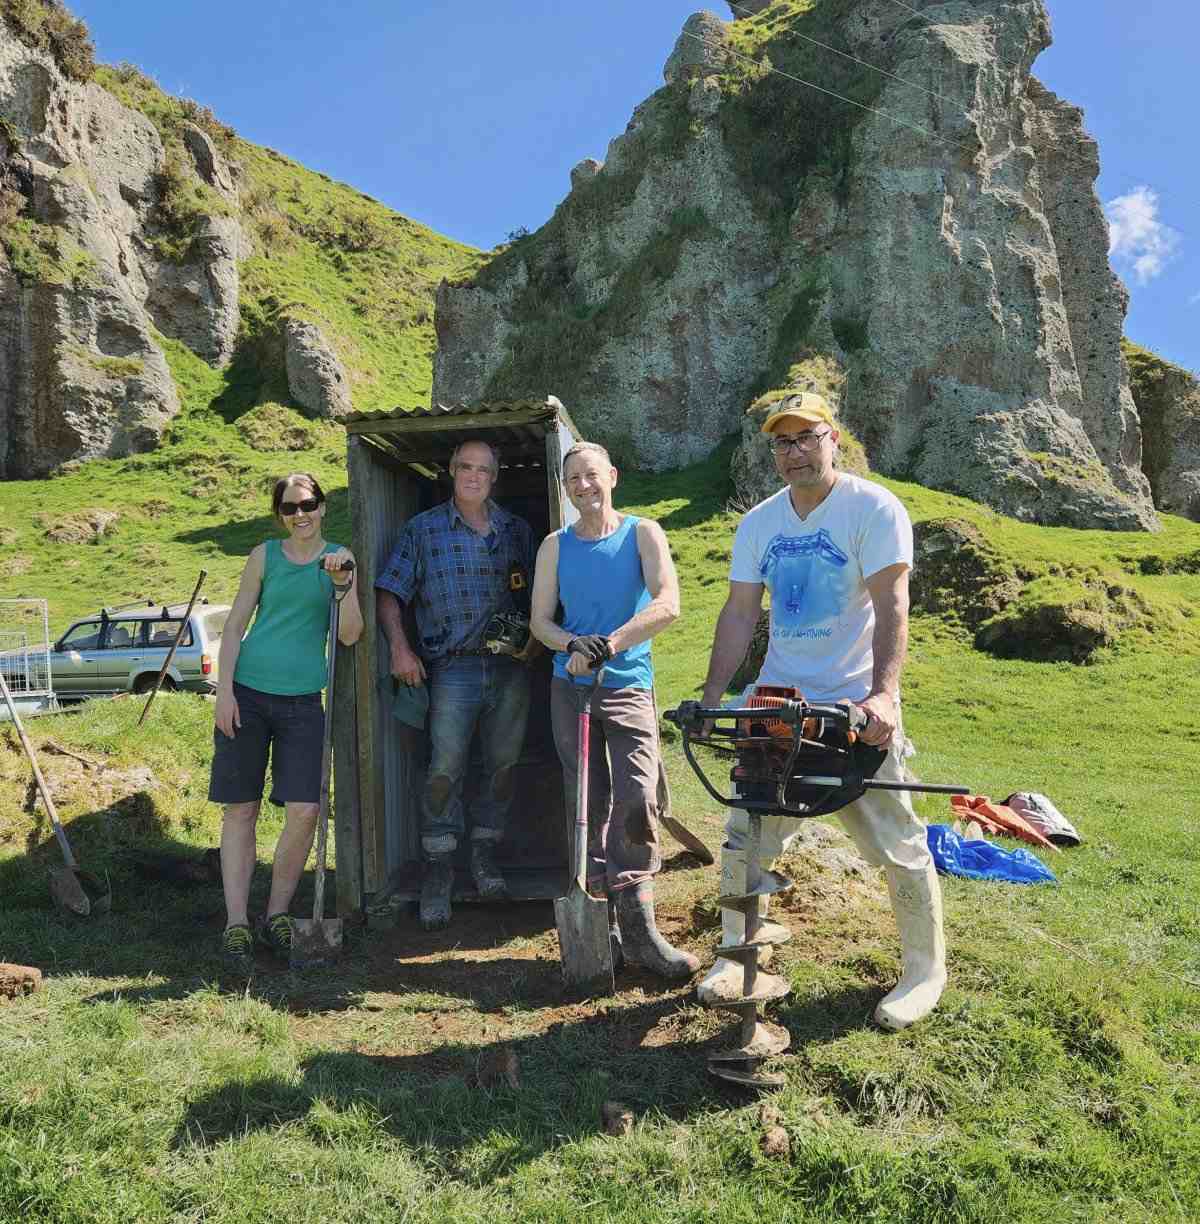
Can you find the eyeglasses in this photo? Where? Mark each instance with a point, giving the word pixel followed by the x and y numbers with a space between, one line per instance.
pixel 801 441
pixel 307 506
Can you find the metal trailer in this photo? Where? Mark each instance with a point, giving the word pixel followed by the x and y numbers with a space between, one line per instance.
pixel 25 656
pixel 397 467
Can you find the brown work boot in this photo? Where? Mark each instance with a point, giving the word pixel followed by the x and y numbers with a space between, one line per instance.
pixel 489 882
pixel 435 891
pixel 640 938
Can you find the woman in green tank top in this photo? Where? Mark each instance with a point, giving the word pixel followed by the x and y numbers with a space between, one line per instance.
pixel 269 704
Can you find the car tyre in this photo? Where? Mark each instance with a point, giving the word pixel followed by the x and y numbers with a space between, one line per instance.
pixel 143 684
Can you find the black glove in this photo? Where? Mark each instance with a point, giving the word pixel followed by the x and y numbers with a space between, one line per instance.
pixel 593 647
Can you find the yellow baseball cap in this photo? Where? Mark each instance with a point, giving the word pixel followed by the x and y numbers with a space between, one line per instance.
pixel 804 406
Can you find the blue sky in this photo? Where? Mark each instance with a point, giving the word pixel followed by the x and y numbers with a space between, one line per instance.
pixel 469 116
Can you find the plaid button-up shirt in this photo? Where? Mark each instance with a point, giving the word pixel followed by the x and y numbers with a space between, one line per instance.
pixel 456 579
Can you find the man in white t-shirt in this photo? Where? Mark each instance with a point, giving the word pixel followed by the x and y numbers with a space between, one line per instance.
pixel 834 551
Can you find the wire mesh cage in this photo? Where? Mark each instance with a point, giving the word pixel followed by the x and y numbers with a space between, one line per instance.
pixel 25 649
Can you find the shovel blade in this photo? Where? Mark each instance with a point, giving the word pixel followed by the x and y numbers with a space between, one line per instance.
pixel 79 892
pixel 583 941
pixel 315 942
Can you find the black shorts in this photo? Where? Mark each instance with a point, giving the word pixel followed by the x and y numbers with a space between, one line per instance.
pixel 289 729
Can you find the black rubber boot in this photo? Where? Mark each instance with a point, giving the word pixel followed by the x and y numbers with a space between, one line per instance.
pixel 641 941
pixel 489 882
pixel 614 937
pixel 435 891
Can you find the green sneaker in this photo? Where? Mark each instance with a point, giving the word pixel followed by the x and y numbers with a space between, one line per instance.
pixel 275 935
pixel 237 951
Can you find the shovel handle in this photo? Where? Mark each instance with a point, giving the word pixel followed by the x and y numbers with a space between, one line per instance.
pixel 579 856
pixel 326 760
pixel 183 624
pixel 43 789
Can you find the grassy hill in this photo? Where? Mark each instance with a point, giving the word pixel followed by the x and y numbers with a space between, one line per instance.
pixel 1059 1080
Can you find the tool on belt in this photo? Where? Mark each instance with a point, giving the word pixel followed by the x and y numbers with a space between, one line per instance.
pixel 789 757
pixel 506 633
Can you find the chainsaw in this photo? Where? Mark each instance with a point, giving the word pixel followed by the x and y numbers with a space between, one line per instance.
pixel 790 757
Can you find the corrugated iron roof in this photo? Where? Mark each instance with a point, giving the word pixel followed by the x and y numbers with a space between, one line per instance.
pixel 551 404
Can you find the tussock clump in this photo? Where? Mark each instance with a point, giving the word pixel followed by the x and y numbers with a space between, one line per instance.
pixel 1058 618
pixel 81 527
pixel 959 573
pixel 272 427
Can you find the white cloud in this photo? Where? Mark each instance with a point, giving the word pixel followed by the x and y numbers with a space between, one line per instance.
pixel 1194 300
pixel 1136 237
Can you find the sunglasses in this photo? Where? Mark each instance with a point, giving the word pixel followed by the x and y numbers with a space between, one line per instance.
pixel 307 506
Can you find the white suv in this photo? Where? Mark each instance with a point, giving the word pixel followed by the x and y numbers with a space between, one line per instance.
pixel 122 650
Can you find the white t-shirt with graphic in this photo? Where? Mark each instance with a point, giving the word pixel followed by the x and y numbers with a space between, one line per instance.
pixel 822 619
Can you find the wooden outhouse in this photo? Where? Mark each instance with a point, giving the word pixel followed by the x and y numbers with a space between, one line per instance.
pixel 397 467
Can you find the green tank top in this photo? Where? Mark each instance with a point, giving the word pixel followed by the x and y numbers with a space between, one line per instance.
pixel 284 652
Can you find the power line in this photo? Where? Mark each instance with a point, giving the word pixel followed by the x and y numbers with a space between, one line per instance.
pixel 874 110
pixel 1130 179
pixel 846 54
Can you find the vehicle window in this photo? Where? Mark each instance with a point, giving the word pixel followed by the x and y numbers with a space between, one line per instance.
pixel 122 634
pixel 81 637
pixel 162 633
pixel 214 624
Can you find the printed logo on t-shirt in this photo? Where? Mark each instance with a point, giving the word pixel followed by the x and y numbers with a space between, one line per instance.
pixel 810 584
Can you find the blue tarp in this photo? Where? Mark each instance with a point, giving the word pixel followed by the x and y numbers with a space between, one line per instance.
pixel 981 860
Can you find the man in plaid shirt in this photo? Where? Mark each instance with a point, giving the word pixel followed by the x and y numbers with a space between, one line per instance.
pixel 456 566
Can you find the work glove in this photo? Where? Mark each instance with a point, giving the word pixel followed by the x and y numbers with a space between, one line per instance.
pixel 593 647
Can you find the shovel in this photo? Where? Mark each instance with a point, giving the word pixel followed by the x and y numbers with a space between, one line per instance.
pixel 72 889
pixel 582 920
pixel 318 941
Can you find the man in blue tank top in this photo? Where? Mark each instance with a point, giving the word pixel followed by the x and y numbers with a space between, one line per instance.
pixel 616 582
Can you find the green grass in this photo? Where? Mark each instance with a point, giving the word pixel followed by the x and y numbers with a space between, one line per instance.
pixel 1058 1081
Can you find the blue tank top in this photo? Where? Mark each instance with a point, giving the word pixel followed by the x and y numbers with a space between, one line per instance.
pixel 600 587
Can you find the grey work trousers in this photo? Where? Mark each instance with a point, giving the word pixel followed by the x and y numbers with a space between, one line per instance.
pixel 623 764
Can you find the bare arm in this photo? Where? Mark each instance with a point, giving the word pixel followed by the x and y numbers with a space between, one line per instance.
pixel 888 589
pixel 544 599
pixel 731 639
pixel 663 584
pixel 227 716
pixel 405 664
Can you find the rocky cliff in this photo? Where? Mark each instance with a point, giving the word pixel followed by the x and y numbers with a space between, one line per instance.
pixel 1168 402
pixel 932 236
pixel 95 265
pixel 134 226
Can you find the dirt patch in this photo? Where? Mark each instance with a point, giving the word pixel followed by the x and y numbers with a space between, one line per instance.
pixel 14 567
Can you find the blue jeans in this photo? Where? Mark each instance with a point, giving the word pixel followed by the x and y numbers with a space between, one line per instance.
pixel 491 693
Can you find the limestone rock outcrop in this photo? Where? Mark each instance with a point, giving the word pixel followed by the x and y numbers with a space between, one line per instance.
pixel 86 278
pixel 701 50
pixel 944 246
pixel 316 378
pixel 1168 402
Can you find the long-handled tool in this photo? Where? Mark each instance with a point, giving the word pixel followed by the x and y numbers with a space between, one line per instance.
pixel 72 889
pixel 582 920
pixel 183 624
pixel 318 941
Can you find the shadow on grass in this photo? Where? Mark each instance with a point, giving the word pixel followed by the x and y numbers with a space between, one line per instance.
pixel 237 537
pixel 483 1109
pixel 155 927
